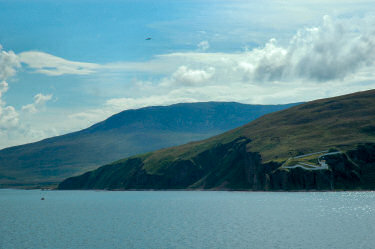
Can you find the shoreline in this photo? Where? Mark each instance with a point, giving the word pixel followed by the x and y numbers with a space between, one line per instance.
pixel 195 190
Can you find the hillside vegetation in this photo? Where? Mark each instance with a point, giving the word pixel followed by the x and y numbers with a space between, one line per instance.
pixel 249 157
pixel 124 134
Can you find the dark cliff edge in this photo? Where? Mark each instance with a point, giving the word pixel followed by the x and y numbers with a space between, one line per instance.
pixel 353 170
pixel 231 167
pixel 226 166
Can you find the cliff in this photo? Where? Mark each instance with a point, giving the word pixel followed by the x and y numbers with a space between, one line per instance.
pixel 285 150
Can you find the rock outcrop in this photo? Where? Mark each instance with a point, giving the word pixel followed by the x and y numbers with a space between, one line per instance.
pixel 232 167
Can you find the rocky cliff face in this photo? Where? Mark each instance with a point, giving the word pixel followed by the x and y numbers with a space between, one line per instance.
pixel 350 171
pixel 226 166
pixel 232 166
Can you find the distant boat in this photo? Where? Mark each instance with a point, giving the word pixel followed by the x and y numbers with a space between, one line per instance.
pixel 42 198
pixel 148 38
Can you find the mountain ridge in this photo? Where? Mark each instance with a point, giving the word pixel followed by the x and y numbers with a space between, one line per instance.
pixel 124 134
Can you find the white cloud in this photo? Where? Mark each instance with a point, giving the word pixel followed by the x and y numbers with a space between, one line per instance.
pixel 52 65
pixel 328 60
pixel 338 49
pixel 203 45
pixel 334 58
pixel 8 63
pixel 329 52
pixel 8 66
pixel 39 102
pixel 333 50
pixel 185 76
pixel 8 117
pixel 13 130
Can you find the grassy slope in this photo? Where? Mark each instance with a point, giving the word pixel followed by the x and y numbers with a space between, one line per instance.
pixel 124 134
pixel 336 122
pixel 341 122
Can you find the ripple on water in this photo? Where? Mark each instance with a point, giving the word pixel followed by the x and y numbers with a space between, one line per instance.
pixel 178 219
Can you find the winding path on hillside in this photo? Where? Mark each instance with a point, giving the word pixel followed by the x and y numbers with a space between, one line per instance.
pixel 307 166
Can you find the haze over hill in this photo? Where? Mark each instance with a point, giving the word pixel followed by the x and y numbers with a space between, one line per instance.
pixel 251 156
pixel 124 134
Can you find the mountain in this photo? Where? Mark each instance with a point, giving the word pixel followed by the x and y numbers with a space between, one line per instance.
pixel 324 144
pixel 127 133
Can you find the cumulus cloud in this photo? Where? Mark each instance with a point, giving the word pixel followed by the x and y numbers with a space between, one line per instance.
pixel 186 76
pixel 331 51
pixel 8 63
pixel 12 128
pixel 203 45
pixel 8 66
pixel 8 117
pixel 52 65
pixel 39 102
pixel 335 50
pixel 333 58
pixel 338 49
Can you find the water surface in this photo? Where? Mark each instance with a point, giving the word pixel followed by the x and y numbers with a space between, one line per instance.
pixel 183 219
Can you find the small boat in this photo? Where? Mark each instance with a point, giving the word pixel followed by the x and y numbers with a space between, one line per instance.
pixel 42 198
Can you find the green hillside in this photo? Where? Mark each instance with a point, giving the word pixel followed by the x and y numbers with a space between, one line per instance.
pixel 124 134
pixel 251 156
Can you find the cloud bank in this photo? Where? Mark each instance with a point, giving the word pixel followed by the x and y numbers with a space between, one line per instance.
pixel 54 66
pixel 12 129
pixel 330 59
pixel 334 58
pixel 9 63
pixel 332 51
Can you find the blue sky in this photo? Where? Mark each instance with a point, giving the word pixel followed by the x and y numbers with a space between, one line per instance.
pixel 66 65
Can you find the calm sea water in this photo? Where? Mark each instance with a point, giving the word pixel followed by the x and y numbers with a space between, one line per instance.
pixel 100 219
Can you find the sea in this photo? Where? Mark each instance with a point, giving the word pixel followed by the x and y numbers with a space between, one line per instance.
pixel 186 219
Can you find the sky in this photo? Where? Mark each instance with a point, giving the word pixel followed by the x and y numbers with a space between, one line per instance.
pixel 65 65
